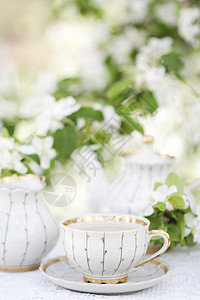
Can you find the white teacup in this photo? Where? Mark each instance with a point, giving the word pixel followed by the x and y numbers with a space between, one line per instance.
pixel 105 247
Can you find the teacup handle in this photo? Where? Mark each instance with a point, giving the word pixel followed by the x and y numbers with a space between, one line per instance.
pixel 162 250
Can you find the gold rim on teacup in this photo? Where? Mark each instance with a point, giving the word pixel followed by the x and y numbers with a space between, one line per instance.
pixel 116 218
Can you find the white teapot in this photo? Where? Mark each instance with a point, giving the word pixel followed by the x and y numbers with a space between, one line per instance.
pixel 28 230
pixel 139 173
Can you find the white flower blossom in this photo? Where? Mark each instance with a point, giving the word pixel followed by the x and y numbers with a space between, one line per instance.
pixel 45 84
pixel 161 193
pixel 167 12
pixel 43 148
pixel 10 157
pixel 110 116
pixel 49 119
pixel 152 75
pixel 189 25
pixel 13 162
pixel 121 46
pixel 150 53
pixel 136 10
pixel 193 225
pixel 144 207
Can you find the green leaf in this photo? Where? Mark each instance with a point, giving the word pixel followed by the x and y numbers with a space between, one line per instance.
pixel 67 87
pixel 156 185
pixel 174 179
pixel 35 157
pixel 160 205
pixel 113 68
pixel 156 220
pixel 181 224
pixel 177 201
pixel 120 91
pixel 174 232
pixel 189 240
pixel 5 133
pixel 147 102
pixel 10 125
pixel 172 62
pixel 128 125
pixel 65 141
pixel 6 172
pixel 88 113
pixel 88 7
pixel 102 137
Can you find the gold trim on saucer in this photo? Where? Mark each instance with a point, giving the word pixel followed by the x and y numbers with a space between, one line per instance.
pixel 158 263
pixel 126 219
pixel 21 177
pixel 54 261
pixel 106 281
pixel 15 270
pixel 97 281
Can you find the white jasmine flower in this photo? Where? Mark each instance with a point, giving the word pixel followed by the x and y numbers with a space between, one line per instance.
pixel 43 148
pixel 34 105
pixel 13 161
pixel 150 53
pixel 143 207
pixel 163 191
pixel 121 46
pixel 9 156
pixel 136 10
pixel 147 60
pixel 50 118
pixel 80 123
pixel 188 24
pixel 45 84
pixel 35 167
pixel 152 75
pixel 110 116
pixel 6 144
pixel 167 12
pixel 161 194
pixel 193 225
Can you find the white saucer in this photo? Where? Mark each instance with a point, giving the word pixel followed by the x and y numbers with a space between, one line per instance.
pixel 61 272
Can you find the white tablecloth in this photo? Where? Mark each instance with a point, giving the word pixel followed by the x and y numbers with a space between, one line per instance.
pixel 182 282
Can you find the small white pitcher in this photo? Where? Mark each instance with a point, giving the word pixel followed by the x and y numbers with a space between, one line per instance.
pixel 28 230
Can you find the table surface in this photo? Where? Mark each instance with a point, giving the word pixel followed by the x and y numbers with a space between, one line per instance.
pixel 182 281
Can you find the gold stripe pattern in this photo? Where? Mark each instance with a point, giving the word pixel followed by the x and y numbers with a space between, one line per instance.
pixel 121 253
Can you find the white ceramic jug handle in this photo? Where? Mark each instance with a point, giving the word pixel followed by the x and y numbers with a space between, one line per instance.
pixel 162 250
